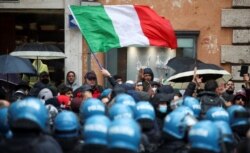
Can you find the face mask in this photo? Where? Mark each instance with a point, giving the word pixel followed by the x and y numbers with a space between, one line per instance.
pixel 45 81
pixel 154 89
pixel 163 108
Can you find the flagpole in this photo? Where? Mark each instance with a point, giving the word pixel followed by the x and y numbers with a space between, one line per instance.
pixel 97 61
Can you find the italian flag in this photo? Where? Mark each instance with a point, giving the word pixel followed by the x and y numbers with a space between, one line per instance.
pixel 113 26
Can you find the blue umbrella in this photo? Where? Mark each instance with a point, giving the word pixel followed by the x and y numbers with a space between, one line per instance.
pixel 12 64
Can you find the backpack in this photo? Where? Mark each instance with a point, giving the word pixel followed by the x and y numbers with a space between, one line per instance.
pixel 209 101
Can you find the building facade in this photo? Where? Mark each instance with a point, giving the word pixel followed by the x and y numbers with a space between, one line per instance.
pixel 212 31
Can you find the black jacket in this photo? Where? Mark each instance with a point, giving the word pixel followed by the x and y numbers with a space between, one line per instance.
pixel 173 147
pixel 31 144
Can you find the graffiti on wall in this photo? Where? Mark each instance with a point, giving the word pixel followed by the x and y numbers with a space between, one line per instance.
pixel 179 3
pixel 210 43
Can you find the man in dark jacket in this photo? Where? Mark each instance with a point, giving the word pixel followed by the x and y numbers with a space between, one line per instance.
pixel 208 98
pixel 91 79
pixel 44 82
pixel 228 94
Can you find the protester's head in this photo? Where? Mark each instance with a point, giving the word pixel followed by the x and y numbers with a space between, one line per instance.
pixel 71 77
pixel 155 86
pixel 167 89
pixel 44 77
pixel 148 74
pixel 65 90
pixel 240 98
pixel 90 78
pixel 85 92
pixel 211 85
pixel 138 86
pixel 28 115
pixel 19 95
pixel 161 102
pixel 24 85
pixel 229 86
pixel 45 94
pixel 75 104
pixel 118 79
pixel 118 89
pixel 64 101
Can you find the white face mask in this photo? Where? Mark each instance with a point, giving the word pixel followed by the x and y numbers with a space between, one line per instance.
pixel 163 108
pixel 154 89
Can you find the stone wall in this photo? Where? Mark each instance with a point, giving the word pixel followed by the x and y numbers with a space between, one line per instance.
pixel 238 53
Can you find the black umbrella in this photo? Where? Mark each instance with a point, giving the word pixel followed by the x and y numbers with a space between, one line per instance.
pixel 180 71
pixel 12 64
pixel 12 79
pixel 38 51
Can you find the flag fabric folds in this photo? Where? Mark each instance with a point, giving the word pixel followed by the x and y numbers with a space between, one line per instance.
pixel 113 26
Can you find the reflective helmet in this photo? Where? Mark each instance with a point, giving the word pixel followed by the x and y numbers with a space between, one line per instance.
pixel 184 109
pixel 145 115
pixel 205 135
pixel 194 104
pixel 118 111
pixel 90 107
pixel 4 126
pixel 177 122
pixel 217 114
pixel 95 130
pixel 66 125
pixel 176 103
pixel 226 131
pixel 126 99
pixel 28 113
pixel 236 121
pixel 124 134
pixel 144 110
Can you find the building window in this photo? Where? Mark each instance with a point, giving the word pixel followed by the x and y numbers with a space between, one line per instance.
pixel 187 43
pixel 127 61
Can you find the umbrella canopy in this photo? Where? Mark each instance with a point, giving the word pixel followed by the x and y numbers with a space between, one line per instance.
pixel 12 64
pixel 180 71
pixel 38 51
pixel 9 79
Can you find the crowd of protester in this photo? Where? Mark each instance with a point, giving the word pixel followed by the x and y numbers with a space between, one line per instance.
pixel 142 116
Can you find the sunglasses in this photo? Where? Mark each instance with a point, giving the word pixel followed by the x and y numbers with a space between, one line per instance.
pixel 92 78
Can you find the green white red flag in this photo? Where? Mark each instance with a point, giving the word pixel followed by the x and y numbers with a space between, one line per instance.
pixel 113 26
